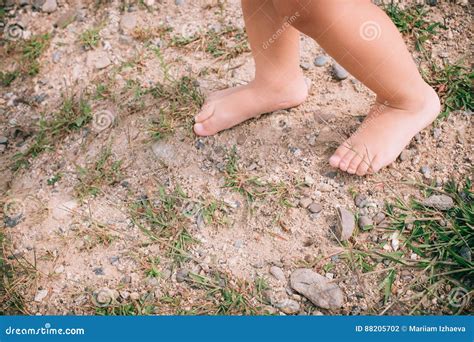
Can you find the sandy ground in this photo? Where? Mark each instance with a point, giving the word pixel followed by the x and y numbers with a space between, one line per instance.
pixel 67 248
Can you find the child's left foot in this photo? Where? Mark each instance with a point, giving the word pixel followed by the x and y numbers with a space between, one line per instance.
pixel 382 136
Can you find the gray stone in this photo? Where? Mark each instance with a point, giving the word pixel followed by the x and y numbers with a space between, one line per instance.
pixel 49 6
pixel 179 2
pixel 378 218
pixel 321 60
pixel 308 180
pixel 426 171
pixel 437 133
pixel 404 155
pixel 278 273
pixel 466 253
pixel 166 273
pixel 339 72
pixel 238 243
pixel 305 202
pixel 98 271
pixel 3 140
pixel 345 224
pixel 359 200
pixel 305 65
pixel 40 295
pixel 318 289
pixel 440 202
pixel 365 222
pixel 182 275
pixel 37 4
pixel 65 19
pixel 128 22
pixel 324 187
pixel 315 208
pixel 114 260
pixel 98 59
pixel 288 306
pixel 324 117
pixel 56 56
pixel 14 218
pixel 199 144
pixel 164 152
pixel 126 280
pixel 200 221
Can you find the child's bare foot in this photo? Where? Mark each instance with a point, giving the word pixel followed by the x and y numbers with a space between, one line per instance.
pixel 227 108
pixel 382 136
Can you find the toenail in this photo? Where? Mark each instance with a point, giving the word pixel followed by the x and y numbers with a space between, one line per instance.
pixel 198 127
pixel 334 159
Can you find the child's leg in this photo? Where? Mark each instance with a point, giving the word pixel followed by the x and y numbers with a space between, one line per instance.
pixel 278 82
pixel 363 39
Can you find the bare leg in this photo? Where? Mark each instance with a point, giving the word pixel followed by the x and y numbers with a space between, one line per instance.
pixel 363 40
pixel 278 83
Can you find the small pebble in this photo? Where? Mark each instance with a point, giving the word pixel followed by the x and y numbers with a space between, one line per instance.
pixel 404 155
pixel 378 218
pixel 339 72
pixel 426 171
pixel 278 273
pixel 181 275
pixel 305 65
pixel 305 202
pixel 359 200
pixel 321 60
pixel 315 208
pixel 40 295
pixel 365 223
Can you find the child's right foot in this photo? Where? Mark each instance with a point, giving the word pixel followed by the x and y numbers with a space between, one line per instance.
pixel 227 108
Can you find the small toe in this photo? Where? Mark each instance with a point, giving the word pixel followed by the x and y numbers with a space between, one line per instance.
pixel 374 165
pixel 346 160
pixel 206 112
pixel 211 126
pixel 354 164
pixel 200 130
pixel 363 167
pixel 339 154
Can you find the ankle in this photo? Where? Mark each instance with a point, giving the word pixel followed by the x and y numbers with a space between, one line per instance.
pixel 418 99
pixel 281 85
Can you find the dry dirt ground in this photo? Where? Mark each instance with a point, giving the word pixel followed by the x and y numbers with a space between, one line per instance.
pixel 112 206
